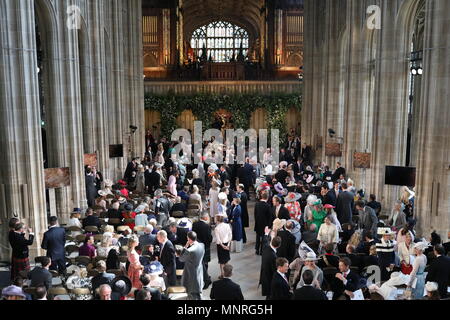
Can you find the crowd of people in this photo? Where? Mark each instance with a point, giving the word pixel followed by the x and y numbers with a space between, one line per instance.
pixel 316 234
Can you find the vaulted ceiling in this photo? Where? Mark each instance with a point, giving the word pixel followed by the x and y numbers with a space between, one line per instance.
pixel 246 13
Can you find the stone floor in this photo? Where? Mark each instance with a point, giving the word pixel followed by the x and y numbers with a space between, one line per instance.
pixel 246 265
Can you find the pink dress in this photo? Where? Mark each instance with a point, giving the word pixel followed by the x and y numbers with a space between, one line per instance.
pixel 172 185
pixel 134 270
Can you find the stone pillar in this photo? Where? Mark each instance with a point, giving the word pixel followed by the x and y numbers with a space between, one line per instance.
pixel 433 164
pixel 22 190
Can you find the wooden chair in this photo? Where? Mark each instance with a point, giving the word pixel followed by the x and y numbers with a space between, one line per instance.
pixel 139 229
pixel 71 248
pixel 91 229
pixel 116 272
pixel 80 291
pixel 84 260
pixel 97 259
pixel 179 272
pixel 55 274
pixel 74 229
pixel 80 238
pixel 176 290
pixel 177 214
pixel 123 259
pixel 69 238
pixel 92 273
pixel 58 291
pixel 114 221
pixel 98 238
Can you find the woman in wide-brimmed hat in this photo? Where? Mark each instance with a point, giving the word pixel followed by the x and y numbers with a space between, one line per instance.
pixel 318 214
pixel 122 285
pixel 310 264
pixel 417 280
pixel 293 206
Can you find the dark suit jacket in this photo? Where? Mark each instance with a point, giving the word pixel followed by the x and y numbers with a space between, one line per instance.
pixel 20 245
pixel 167 259
pixel 279 288
pixel 179 238
pixel 283 213
pixel 263 217
pixel 352 285
pixel 147 239
pixel 330 198
pixel 344 207
pixel 226 289
pixel 268 266
pixel 102 278
pixel 204 235
pixel 91 220
pixel 152 180
pixel 309 293
pixel 40 276
pixel 439 271
pixel 332 260
pixel 287 248
pixel 298 169
pixel 54 242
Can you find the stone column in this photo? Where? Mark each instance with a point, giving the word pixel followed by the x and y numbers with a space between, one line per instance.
pixel 433 164
pixel 21 165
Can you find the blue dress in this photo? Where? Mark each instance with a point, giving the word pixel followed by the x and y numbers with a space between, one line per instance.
pixel 418 291
pixel 236 225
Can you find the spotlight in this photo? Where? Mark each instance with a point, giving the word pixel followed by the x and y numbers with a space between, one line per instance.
pixel 38 70
pixel 332 133
pixel 420 71
pixel 133 128
pixel 413 71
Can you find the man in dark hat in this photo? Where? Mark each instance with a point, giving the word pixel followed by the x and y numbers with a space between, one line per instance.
pixel 54 242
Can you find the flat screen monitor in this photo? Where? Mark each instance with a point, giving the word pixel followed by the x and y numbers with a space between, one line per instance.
pixel 116 151
pixel 400 176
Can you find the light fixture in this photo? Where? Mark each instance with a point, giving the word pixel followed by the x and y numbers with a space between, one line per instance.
pixel 38 70
pixel 413 71
pixel 420 71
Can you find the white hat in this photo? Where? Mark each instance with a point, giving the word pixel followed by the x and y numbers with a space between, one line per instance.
pixel 421 245
pixel 102 193
pixel 310 178
pixel 108 183
pixel 431 286
pixel 223 196
pixel 311 256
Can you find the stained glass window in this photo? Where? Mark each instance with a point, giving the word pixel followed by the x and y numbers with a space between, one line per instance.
pixel 222 40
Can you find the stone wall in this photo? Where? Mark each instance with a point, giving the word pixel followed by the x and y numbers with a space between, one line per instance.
pixel 93 92
pixel 357 83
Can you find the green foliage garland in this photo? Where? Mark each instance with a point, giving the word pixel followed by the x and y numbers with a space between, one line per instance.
pixel 241 106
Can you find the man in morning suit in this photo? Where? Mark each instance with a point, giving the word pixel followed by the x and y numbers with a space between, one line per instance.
pixel 278 210
pixel 54 242
pixel 167 257
pixel 204 235
pixel 280 289
pixel 344 205
pixel 439 271
pixel 268 262
pixel 287 248
pixel 346 281
pixel 225 288
pixel 263 219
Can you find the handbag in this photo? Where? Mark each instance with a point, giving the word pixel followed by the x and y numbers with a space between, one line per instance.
pixel 406 269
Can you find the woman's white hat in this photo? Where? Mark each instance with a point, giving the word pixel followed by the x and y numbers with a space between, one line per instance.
pixel 421 245
pixel 431 286
pixel 223 196
pixel 311 256
pixel 385 231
